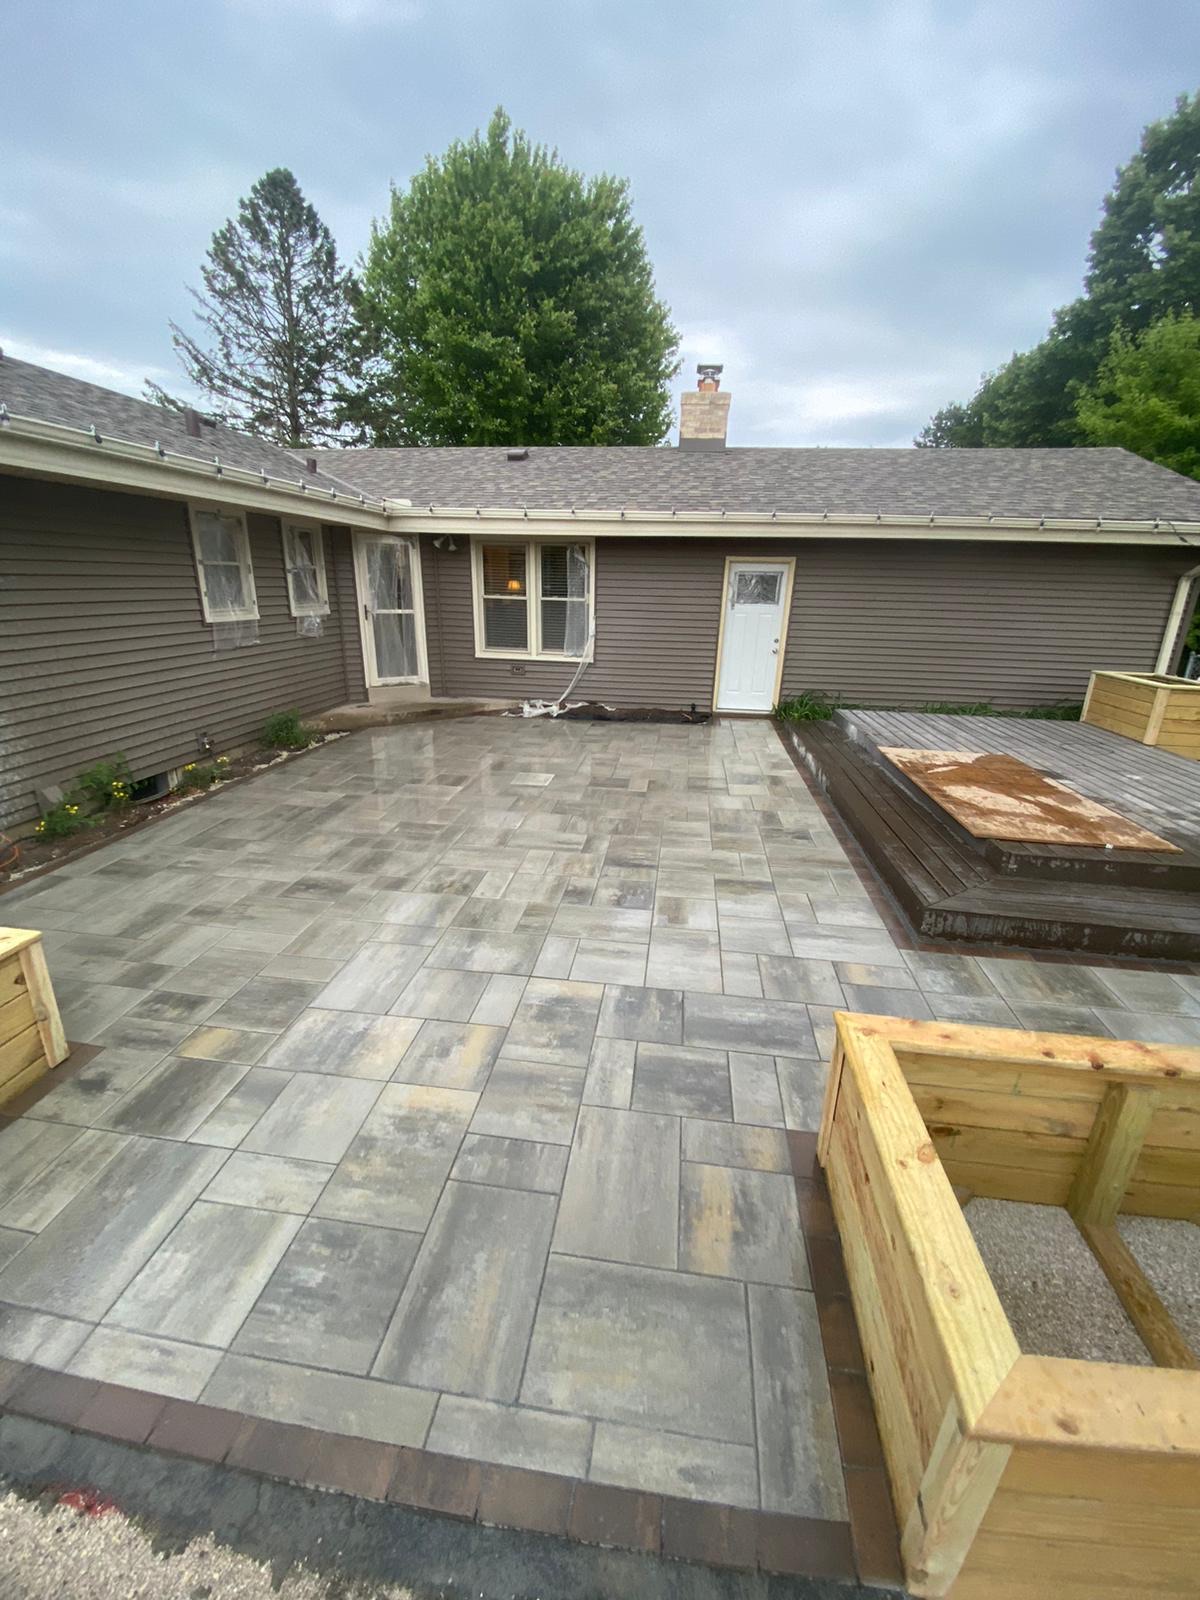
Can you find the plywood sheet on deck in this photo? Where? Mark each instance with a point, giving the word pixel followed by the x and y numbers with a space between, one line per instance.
pixel 1001 797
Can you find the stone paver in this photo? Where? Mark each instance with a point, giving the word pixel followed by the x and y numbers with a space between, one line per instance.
pixel 443 1096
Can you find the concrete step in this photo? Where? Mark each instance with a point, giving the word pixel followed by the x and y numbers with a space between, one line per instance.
pixel 367 714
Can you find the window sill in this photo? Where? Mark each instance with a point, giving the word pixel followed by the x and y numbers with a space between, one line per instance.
pixel 311 611
pixel 231 616
pixel 522 655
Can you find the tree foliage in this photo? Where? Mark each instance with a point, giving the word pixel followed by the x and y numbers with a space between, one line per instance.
pixel 1146 396
pixel 276 310
pixel 507 299
pixel 1143 264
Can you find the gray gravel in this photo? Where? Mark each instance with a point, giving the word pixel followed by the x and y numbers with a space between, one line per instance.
pixel 51 1550
pixel 1168 1252
pixel 1051 1286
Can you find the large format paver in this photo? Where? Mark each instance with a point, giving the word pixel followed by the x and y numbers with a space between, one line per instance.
pixel 443 1096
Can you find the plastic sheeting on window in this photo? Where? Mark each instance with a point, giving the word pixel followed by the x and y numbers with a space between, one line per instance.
pixel 578 630
pixel 390 602
pixel 310 627
pixel 234 635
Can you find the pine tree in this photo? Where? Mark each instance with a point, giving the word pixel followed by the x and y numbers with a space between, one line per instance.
pixel 276 307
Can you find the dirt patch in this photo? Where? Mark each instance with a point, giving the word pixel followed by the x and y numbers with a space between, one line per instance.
pixel 34 856
pixel 592 711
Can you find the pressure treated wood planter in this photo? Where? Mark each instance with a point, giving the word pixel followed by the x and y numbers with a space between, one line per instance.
pixel 1015 1475
pixel 1151 708
pixel 31 1034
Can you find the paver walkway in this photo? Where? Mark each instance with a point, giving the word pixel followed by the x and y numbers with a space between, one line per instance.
pixel 442 1098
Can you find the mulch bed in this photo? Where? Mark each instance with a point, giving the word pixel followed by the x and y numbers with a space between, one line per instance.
pixel 591 711
pixel 36 856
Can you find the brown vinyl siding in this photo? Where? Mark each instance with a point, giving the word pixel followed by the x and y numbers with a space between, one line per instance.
pixel 103 646
pixel 876 622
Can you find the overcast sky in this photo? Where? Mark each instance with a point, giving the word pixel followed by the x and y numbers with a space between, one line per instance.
pixel 856 205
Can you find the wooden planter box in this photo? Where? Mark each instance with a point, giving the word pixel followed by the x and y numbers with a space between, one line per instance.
pixel 1151 708
pixel 1017 1475
pixel 31 1035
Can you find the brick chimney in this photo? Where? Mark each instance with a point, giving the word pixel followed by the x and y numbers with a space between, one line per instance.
pixel 704 412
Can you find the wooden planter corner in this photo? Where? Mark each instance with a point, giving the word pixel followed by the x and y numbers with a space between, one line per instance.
pixel 1150 707
pixel 1016 1475
pixel 31 1033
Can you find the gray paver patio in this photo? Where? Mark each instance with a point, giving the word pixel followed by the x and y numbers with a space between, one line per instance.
pixel 443 1095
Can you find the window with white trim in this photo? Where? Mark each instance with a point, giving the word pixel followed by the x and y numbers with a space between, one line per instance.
pixel 222 550
pixel 304 563
pixel 533 597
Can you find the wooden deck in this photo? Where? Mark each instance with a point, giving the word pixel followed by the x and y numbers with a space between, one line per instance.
pixel 951 885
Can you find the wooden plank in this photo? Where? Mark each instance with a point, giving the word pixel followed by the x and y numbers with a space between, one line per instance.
pixel 16 1015
pixel 966 1043
pixel 20 1052
pixel 1053 1567
pixel 956 1493
pixel 21 1081
pixel 1150 1317
pixel 833 1082
pixel 1119 1477
pixel 45 1006
pixel 1112 1153
pixel 1096 1521
pixel 1096 1405
pixel 14 940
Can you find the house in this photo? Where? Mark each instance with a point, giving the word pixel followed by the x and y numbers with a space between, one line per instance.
pixel 165 583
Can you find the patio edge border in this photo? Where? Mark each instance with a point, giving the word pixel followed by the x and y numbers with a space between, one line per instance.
pixel 863 1548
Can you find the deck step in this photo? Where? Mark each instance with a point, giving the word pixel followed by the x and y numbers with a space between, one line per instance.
pixel 951 885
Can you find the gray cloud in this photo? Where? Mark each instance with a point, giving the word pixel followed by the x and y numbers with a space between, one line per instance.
pixel 857 205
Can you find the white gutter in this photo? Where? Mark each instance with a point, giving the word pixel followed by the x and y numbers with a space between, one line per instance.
pixel 631 522
pixel 56 450
pixel 1175 620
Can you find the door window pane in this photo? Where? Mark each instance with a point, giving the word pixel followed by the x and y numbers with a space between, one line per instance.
pixel 395 635
pixel 389 577
pixel 756 588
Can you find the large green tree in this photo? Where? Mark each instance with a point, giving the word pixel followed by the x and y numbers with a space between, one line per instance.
pixel 507 299
pixel 276 316
pixel 1144 261
pixel 1146 396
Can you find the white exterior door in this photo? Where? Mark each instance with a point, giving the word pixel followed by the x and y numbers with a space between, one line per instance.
pixel 753 633
pixel 388 571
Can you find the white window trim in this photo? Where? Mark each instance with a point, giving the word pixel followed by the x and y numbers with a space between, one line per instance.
pixel 321 608
pixel 245 613
pixel 533 597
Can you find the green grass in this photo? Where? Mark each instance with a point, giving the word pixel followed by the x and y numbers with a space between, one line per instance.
pixel 813 706
pixel 806 707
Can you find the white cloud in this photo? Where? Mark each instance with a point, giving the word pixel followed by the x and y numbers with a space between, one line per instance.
pixel 111 374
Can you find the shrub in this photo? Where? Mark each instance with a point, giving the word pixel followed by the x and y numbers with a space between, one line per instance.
pixel 61 821
pixel 202 775
pixel 107 785
pixel 285 731
pixel 811 706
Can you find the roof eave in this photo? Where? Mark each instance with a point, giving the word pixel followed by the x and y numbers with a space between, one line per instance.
pixel 631 521
pixel 55 450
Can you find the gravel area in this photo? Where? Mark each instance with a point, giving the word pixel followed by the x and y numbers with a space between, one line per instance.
pixel 1169 1254
pixel 86 1550
pixel 1050 1284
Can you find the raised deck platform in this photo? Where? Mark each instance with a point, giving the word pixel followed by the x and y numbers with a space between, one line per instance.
pixel 951 885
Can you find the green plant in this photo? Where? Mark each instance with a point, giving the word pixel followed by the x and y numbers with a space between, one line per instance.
pixel 285 731
pixel 61 821
pixel 811 706
pixel 107 785
pixel 202 775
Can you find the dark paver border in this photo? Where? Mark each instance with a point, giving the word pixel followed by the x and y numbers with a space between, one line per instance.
pixel 864 1548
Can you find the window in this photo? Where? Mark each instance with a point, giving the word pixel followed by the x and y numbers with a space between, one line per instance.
pixel 222 550
pixel 532 598
pixel 304 562
pixel 756 588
